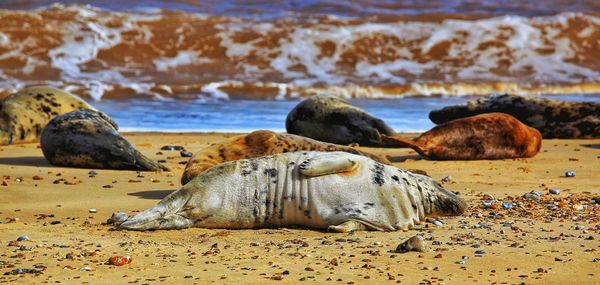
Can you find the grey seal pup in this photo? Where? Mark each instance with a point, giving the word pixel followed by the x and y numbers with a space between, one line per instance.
pixel 331 119
pixel 89 139
pixel 338 191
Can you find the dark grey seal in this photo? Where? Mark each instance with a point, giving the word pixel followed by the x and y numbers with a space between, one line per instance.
pixel 553 118
pixel 89 139
pixel 331 119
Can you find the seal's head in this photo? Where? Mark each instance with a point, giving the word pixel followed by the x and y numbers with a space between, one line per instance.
pixel 439 201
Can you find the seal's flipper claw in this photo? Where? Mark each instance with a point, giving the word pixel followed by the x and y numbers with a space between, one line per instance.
pixel 347 227
pixel 324 164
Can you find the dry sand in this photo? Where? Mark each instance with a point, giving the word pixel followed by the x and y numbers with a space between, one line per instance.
pixel 530 243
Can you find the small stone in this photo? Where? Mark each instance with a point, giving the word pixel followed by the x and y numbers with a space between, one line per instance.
pixel 551 207
pixel 309 269
pixel 19 179
pixel 578 207
pixel 92 173
pixel 554 191
pixel 254 244
pixel 415 243
pixel 507 205
pixel 286 272
pixel 531 195
pixel 140 175
pixel 22 238
pixel 93 211
pixel 172 147
pixel 481 251
pixel 596 200
pixel 117 218
pixel 438 223
pixel 447 179
pixel 37 178
pixel 186 154
pixel 86 268
pixel 55 222
pixel 277 277
pixel 570 173
pixel 107 186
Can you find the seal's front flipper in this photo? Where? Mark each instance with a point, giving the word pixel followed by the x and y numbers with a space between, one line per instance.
pixel 347 227
pixel 168 214
pixel 328 163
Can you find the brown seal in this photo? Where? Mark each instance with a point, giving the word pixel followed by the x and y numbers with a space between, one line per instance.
pixel 256 144
pixel 553 118
pixel 486 136
pixel 23 115
pixel 331 119
pixel 89 139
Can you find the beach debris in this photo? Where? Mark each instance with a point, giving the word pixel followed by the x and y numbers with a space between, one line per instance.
pixel 415 243
pixel 570 173
pixel 18 271
pixel 117 218
pixel 172 147
pixel 554 191
pixel 93 210
pixel 186 154
pixel 22 238
pixel 119 260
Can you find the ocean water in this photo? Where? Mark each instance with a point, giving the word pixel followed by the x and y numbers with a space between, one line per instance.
pixel 240 65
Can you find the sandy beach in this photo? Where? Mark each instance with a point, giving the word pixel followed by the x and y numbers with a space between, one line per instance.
pixel 530 243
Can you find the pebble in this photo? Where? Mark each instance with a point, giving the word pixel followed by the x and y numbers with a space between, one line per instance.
pixel 254 244
pixel 447 179
pixel 93 210
pixel 93 173
pixel 438 223
pixel 186 154
pixel 481 251
pixel 596 200
pixel 86 268
pixel 172 147
pixel 532 195
pixel 554 191
pixel 570 173
pixel 415 243
pixel 552 207
pixel 22 238
pixel 507 205
pixel 140 175
pixel 55 222
pixel 117 218
pixel 119 260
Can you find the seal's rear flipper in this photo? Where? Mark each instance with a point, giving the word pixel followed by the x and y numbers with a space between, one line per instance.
pixel 347 227
pixel 327 163
pixel 167 214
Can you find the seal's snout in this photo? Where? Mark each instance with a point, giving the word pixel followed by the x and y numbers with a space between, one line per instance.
pixel 448 203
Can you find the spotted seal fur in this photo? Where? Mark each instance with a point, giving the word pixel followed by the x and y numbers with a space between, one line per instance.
pixel 23 115
pixel 256 144
pixel 331 119
pixel 485 136
pixel 89 139
pixel 338 191
pixel 553 118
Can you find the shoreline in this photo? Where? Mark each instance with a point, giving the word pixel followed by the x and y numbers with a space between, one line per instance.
pixel 52 209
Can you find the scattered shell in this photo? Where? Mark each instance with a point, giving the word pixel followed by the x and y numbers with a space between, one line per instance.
pixel 415 243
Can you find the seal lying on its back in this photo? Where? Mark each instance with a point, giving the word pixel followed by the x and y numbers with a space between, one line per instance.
pixel 486 136
pixel 24 114
pixel 553 118
pixel 89 139
pixel 331 119
pixel 333 190
pixel 259 143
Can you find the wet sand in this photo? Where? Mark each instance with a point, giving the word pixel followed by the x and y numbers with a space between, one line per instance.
pixel 531 243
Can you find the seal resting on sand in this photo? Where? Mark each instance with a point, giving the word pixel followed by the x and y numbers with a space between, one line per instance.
pixel 259 143
pixel 553 118
pixel 338 191
pixel 89 139
pixel 23 115
pixel 331 119
pixel 486 136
